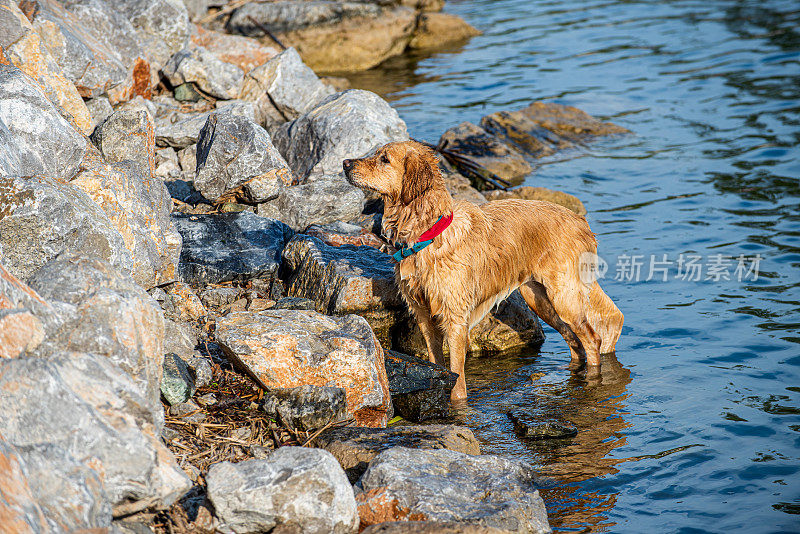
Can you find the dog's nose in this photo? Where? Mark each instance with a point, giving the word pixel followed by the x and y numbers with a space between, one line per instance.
pixel 347 164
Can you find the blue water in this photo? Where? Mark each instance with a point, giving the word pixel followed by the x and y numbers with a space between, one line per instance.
pixel 696 424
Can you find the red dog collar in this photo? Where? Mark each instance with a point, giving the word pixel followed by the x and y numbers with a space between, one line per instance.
pixel 425 239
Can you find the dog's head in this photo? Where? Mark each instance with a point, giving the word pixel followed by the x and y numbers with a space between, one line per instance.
pixel 399 171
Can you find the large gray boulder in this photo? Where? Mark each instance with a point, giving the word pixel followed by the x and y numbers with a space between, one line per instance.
pixel 78 410
pixel 327 200
pixel 356 447
pixel 36 139
pixel 199 66
pixel 181 129
pixel 293 486
pixel 344 125
pixel 138 204
pixel 105 313
pixel 40 218
pixel 162 26
pixel 231 246
pixel 443 485
pixel 284 84
pixel 236 158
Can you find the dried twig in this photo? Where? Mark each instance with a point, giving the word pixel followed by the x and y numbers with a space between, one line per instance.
pixel 266 30
pixel 224 11
pixel 470 167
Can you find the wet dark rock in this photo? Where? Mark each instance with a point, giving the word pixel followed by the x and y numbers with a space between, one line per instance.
pixel 443 485
pixel 41 217
pixel 355 447
pixel 35 139
pixel 177 382
pixel 544 126
pixel 420 389
pixel 528 427
pixel 306 407
pixel 235 158
pixel 487 151
pixel 127 134
pixel 329 199
pixel 293 486
pixel 231 246
pixel 343 125
pixel 199 66
pixel 295 303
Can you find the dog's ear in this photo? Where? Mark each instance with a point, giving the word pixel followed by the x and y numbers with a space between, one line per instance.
pixel 421 167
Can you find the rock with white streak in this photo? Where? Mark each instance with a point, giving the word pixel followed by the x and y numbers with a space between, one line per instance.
pixel 294 486
pixel 404 484
pixel 343 125
pixel 162 26
pixel 236 158
pixel 199 66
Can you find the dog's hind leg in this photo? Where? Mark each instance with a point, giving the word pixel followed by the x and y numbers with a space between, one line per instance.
pixel 535 295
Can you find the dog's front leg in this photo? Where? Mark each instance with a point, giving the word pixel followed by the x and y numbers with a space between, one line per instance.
pixel 457 339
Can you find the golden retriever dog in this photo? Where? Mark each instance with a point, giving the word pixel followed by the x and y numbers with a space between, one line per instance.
pixel 484 254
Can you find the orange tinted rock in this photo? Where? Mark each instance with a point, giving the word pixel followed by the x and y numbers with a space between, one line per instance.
pixel 379 506
pixel 244 52
pixel 19 332
pixel 19 512
pixel 29 54
pixel 291 348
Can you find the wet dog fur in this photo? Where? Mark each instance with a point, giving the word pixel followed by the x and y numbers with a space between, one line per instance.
pixel 486 253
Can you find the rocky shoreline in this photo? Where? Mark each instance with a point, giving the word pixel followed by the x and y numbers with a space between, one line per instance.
pixel 199 325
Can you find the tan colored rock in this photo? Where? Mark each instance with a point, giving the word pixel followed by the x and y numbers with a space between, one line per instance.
pixel 244 52
pixel 423 5
pixel 19 511
pixel 23 47
pixel 290 348
pixel 436 30
pixel 20 332
pixel 183 304
pixel 354 44
pixel 526 192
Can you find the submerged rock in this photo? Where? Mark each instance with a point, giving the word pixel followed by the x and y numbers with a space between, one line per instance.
pixel 291 348
pixel 436 30
pixel 294 486
pixel 487 151
pixel 404 484
pixel 420 389
pixel 230 246
pixel 329 199
pixel 235 158
pixel 343 125
pixel 525 192
pixel 528 427
pixel 307 407
pixel 354 448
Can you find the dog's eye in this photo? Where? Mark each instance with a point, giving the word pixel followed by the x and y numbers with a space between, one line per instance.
pixel 384 159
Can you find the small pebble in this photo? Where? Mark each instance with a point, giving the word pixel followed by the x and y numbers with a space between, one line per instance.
pixel 208 399
pixel 242 433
